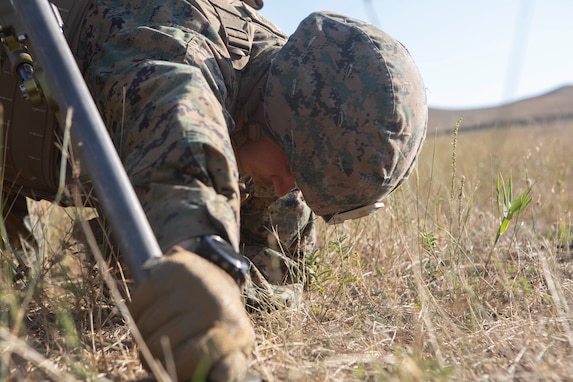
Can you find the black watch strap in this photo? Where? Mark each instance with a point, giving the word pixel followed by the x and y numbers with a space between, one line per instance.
pixel 218 251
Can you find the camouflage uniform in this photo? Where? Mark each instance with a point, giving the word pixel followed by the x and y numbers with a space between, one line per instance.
pixel 168 78
pixel 343 100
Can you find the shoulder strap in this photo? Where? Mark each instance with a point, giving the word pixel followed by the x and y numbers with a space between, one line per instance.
pixel 236 30
pixel 256 4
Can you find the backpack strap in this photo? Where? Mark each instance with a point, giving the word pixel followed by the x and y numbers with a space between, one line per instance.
pixel 236 30
pixel 256 4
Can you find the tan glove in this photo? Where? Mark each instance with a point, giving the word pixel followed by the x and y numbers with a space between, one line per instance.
pixel 199 308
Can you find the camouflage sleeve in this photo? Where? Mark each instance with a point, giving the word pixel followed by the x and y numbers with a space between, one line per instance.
pixel 275 232
pixel 162 96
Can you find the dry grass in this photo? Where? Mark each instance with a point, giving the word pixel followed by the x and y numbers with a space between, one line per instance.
pixel 406 295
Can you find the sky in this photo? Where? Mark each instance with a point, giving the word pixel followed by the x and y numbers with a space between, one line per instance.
pixel 471 53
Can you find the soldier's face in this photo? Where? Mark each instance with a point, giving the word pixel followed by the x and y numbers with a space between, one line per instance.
pixel 265 162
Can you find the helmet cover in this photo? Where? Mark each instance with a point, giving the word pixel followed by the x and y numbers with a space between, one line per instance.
pixel 347 104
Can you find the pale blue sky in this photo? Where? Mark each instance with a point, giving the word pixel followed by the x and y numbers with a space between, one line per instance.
pixel 471 53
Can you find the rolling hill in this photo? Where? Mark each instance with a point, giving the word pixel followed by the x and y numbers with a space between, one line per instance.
pixel 553 107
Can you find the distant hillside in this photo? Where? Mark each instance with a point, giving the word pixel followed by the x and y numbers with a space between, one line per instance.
pixel 552 107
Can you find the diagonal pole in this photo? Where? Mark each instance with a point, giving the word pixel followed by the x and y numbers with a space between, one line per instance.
pixel 97 153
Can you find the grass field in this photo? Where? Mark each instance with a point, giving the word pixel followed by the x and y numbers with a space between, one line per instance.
pixel 420 291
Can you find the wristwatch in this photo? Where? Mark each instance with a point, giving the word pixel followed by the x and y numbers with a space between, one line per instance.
pixel 218 251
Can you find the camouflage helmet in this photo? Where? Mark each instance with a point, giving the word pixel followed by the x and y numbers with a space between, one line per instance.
pixel 347 104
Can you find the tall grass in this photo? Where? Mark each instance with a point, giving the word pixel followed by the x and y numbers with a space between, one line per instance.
pixel 405 295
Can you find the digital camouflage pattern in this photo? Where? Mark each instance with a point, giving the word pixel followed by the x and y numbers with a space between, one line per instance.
pixel 348 105
pixel 168 87
pixel 288 231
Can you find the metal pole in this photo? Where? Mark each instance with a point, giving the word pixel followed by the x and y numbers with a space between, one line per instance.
pixel 97 152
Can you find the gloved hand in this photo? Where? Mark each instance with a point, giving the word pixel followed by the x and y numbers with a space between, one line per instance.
pixel 199 308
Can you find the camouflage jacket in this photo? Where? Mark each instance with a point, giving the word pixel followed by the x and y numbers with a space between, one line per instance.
pixel 168 77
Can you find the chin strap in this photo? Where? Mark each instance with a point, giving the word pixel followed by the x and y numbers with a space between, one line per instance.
pixel 250 131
